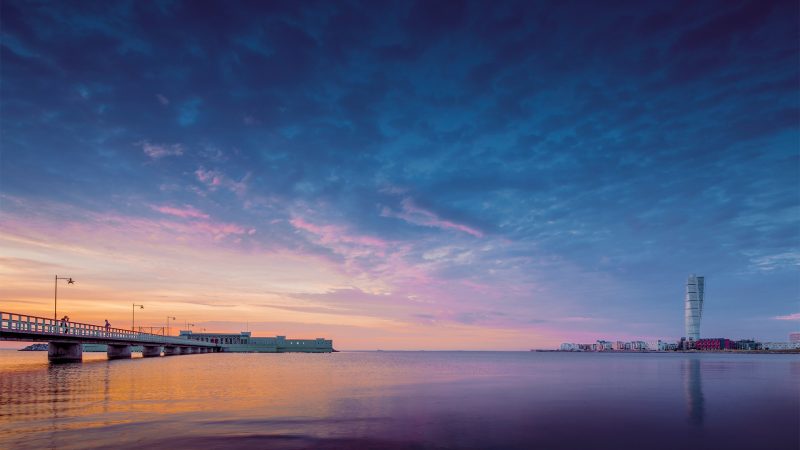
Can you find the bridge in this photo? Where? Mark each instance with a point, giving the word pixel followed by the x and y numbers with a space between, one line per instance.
pixel 65 339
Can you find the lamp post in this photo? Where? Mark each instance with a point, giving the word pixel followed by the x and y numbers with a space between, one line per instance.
pixel 55 295
pixel 168 319
pixel 133 316
pixel 188 325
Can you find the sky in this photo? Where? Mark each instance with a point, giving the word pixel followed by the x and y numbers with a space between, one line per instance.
pixel 404 175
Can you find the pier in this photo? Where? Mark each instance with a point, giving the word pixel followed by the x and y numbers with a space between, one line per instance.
pixel 65 339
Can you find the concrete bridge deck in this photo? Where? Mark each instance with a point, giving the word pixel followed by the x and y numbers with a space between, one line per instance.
pixel 65 339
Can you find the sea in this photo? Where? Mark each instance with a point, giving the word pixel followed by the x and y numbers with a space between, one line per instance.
pixel 403 400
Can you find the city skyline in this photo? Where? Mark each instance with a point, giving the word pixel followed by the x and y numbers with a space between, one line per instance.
pixel 456 176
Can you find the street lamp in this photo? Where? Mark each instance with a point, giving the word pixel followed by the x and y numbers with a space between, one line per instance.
pixel 55 296
pixel 168 318
pixel 133 316
pixel 188 325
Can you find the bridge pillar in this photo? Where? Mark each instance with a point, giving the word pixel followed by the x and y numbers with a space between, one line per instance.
pixel 170 350
pixel 118 351
pixel 59 352
pixel 186 350
pixel 149 351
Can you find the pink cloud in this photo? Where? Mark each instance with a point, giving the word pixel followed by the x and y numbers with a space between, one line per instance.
pixel 412 213
pixel 794 316
pixel 209 177
pixel 215 179
pixel 170 229
pixel 218 229
pixel 187 212
pixel 328 234
pixel 158 151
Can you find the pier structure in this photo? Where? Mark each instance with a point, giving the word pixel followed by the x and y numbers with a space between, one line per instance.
pixel 65 339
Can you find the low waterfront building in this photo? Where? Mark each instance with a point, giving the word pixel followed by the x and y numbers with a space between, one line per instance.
pixel 655 346
pixel 618 346
pixel 603 346
pixel 794 338
pixel 745 344
pixel 778 346
pixel 714 344
pixel 245 342
pixel 670 346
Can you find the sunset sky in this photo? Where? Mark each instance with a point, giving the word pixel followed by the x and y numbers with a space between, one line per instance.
pixel 398 175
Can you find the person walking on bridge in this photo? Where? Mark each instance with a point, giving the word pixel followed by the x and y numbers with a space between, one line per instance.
pixel 65 323
pixel 108 325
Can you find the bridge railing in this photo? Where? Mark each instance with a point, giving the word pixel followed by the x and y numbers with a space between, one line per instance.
pixel 22 323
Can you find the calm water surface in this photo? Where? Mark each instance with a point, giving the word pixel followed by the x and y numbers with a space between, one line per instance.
pixel 403 400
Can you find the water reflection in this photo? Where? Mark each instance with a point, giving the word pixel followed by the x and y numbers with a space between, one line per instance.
pixel 693 383
pixel 402 400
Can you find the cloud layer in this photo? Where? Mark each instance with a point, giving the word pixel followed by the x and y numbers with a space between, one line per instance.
pixel 522 174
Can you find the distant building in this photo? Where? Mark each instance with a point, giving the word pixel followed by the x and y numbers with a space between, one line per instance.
pixel 746 344
pixel 603 345
pixel 776 346
pixel 794 337
pixel 714 344
pixel 656 346
pixel 693 306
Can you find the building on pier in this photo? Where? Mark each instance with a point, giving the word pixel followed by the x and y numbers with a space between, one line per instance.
pixel 245 342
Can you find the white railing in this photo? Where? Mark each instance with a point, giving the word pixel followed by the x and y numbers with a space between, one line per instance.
pixel 42 326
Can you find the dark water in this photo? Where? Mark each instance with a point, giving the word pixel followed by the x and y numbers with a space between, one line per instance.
pixel 403 400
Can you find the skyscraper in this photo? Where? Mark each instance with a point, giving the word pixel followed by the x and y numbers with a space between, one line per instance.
pixel 693 306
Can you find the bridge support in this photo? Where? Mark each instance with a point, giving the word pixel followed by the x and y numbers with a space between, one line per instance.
pixel 149 351
pixel 118 351
pixel 59 352
pixel 186 350
pixel 171 350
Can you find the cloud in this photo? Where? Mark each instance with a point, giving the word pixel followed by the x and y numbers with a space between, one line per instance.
pixel 212 178
pixel 794 316
pixel 565 174
pixel 332 234
pixel 167 230
pixel 186 212
pixel 777 261
pixel 158 151
pixel 215 179
pixel 412 213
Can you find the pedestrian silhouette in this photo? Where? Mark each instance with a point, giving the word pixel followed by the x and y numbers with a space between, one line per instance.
pixel 108 325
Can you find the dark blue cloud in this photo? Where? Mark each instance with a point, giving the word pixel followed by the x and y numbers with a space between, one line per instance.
pixel 640 141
